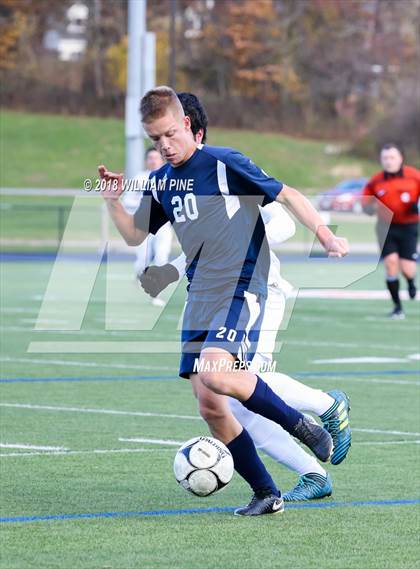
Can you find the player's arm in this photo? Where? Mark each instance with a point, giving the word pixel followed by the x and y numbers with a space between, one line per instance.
pixel 305 212
pixel 248 179
pixel 123 221
pixel 368 200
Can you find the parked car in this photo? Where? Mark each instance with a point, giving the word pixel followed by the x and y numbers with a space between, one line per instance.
pixel 345 196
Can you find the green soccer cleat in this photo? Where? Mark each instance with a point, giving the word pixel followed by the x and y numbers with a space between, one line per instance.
pixel 336 422
pixel 311 486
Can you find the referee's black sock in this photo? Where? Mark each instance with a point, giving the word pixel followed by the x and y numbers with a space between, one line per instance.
pixel 411 288
pixel 393 284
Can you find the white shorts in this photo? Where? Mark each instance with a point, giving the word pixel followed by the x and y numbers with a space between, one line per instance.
pixel 273 315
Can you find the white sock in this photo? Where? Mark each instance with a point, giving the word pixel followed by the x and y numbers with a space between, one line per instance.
pixel 274 441
pixel 298 395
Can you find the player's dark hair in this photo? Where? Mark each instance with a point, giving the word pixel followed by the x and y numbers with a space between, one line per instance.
pixel 390 145
pixel 157 102
pixel 197 113
pixel 149 150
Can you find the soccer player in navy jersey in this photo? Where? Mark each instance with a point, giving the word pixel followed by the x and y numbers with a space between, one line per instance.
pixel 332 408
pixel 211 196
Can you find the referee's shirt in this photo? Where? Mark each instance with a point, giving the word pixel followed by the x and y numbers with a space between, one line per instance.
pixel 398 192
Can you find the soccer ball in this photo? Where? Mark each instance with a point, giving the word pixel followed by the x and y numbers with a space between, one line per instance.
pixel 203 466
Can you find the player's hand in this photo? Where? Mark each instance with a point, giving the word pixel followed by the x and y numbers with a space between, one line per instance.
pixel 114 183
pixel 155 279
pixel 337 247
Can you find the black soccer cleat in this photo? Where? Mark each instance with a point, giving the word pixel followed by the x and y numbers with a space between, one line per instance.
pixel 412 290
pixel 262 504
pixel 314 437
pixel 397 314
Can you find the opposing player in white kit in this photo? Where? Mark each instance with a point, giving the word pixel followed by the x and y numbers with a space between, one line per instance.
pixel 332 408
pixel 156 248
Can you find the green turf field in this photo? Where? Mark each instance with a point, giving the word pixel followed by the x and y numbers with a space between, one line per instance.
pixel 107 401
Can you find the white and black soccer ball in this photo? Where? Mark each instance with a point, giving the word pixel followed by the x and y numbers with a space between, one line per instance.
pixel 203 466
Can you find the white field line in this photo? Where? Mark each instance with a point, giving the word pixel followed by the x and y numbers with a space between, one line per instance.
pixel 121 334
pixel 351 345
pixel 346 294
pixel 152 441
pixel 99 411
pixel 146 450
pixel 361 380
pixel 78 333
pixel 380 432
pixel 167 368
pixel 32 447
pixel 372 443
pixel 367 360
pixel 84 364
pixel 83 452
pixel 163 415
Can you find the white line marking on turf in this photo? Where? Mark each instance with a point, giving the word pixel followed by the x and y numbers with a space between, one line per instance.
pixel 32 447
pixel 152 441
pixel 374 443
pixel 381 432
pixel 350 345
pixel 346 294
pixel 84 364
pixel 100 411
pixel 162 415
pixel 77 452
pixel 362 360
pixel 363 380
pixel 415 357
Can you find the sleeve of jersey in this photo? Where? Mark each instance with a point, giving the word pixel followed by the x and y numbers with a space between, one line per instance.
pixel 150 215
pixel 368 189
pixel 244 178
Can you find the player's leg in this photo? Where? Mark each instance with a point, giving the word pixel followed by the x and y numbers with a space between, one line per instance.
pixel 314 482
pixel 217 365
pixel 408 269
pixel 214 409
pixel 296 394
pixel 408 256
pixel 392 267
pixel 388 240
pixel 332 409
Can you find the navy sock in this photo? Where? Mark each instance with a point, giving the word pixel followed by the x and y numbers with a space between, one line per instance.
pixel 249 465
pixel 266 403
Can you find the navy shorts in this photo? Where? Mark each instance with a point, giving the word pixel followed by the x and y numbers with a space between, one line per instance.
pixel 229 322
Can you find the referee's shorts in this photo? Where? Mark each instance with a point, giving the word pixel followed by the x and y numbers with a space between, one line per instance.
pixel 401 238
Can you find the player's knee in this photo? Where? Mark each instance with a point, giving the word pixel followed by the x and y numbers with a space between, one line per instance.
pixel 211 413
pixel 215 381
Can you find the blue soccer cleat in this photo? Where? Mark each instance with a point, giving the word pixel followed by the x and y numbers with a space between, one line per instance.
pixel 336 422
pixel 311 486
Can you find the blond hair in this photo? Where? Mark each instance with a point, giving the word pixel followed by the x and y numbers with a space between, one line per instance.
pixel 157 102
